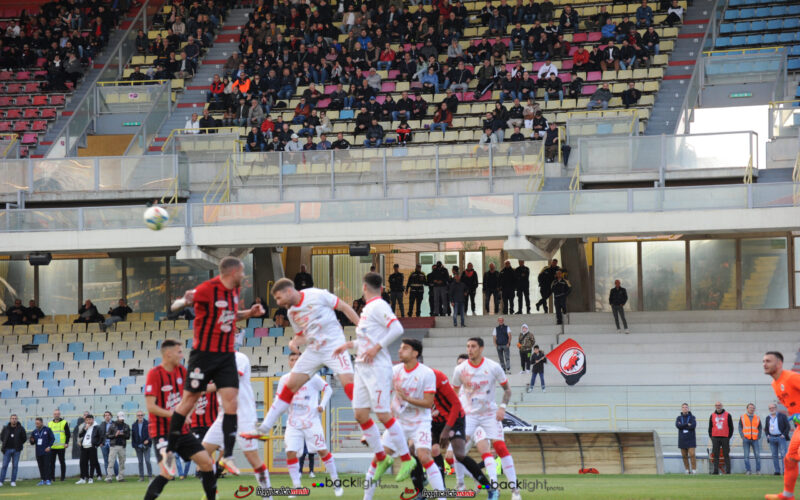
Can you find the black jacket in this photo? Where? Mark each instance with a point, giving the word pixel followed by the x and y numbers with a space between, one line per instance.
pixel 416 282
pixel 536 365
pixel 547 275
pixel 508 280
pixel 121 439
pixel 471 280
pixel 783 425
pixel 618 296
pixel 120 311
pixel 561 288
pixel 97 435
pixel 458 292
pixel 396 282
pixel 137 438
pixel 303 281
pixel 491 281
pixel 12 438
pixel 523 274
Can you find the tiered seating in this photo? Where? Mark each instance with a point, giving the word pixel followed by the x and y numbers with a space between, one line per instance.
pixel 762 24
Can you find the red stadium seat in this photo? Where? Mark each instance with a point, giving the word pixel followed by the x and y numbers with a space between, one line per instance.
pixel 5 75
pixel 24 100
pixel 14 88
pixel 5 126
pixel 24 75
pixel 49 113
pixel 30 88
pixel 57 100
pixel 29 139
pixel 21 126
pixel 39 126
pixel 40 100
pixel 14 114
pixel 6 101
pixel 30 113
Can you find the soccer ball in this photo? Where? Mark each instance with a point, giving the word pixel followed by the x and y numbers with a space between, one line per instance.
pixel 156 218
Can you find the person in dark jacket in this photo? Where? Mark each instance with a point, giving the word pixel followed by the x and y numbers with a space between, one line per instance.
pixel 415 289
pixel 396 289
pixel 523 281
pixel 470 278
pixel 502 341
pixel 546 277
pixel 16 314
pixel 440 281
pixel 12 439
pixel 491 288
pixel 42 438
pixel 303 279
pixel 119 313
pixel 118 434
pixel 777 429
pixel 90 436
pixel 87 313
pixel 561 289
pixel 33 313
pixel 458 292
pixel 508 282
pixel 687 442
pixel 141 441
pixel 618 297
pixel 538 361
pixel 720 430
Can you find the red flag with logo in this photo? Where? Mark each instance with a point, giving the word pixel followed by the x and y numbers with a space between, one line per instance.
pixel 570 360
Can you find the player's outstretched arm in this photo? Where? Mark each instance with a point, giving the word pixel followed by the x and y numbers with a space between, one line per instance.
pixel 185 301
pixel 348 311
pixel 256 311
pixel 327 392
pixel 501 412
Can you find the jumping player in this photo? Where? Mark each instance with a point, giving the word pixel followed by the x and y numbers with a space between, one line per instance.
pixel 162 395
pixel 246 416
pixel 786 385
pixel 205 412
pixel 216 306
pixel 476 379
pixel 414 391
pixel 377 329
pixel 312 316
pixel 304 425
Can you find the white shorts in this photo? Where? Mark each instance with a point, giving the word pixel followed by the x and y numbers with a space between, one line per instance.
pixel 313 437
pixel 214 436
pixel 312 360
pixel 480 427
pixel 419 434
pixel 372 387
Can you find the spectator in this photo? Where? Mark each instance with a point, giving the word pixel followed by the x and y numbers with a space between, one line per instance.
pixel 568 19
pixel 553 87
pixel 529 112
pixel 374 80
pixel 674 14
pixel 515 114
pixel 455 54
pixel 216 91
pixel 525 343
pixel 430 81
pixel 527 87
pixel 293 146
pixel 522 276
pixel 324 144
pixel 403 133
pixel 509 88
pixel 496 123
pixel 119 313
pixel 538 360
pixel 595 58
pixel 631 95
pixel 551 143
pixel 608 31
pixel 439 281
pixel 545 278
pixel 76 445
pixel 644 15
pixel 487 77
pixel 686 424
pixel 87 313
pixel 118 434
pixel 720 430
pixel 12 439
pixel 502 340
pixel 458 293
pixel 137 75
pixel 42 438
pixel 33 314
pixel 517 135
pixel 16 314
pixel 403 108
pixel 309 145
pixel 325 125
pixel 458 78
pixel 750 432
pixel 420 109
pixel 60 429
pixel 255 140
pixel 491 288
pixel 141 442
pixel 561 289
pixel 575 87
pixel 624 28
pixel 386 58
pixel 651 41
pixel 488 139
pixel 600 97
pixel 192 125
pixel 90 437
pixel 303 279
pixel 280 318
pixel 618 297
pixel 546 69
pixel 611 57
pixel 508 282
pixel 580 60
pixel 627 55
pixel 396 289
pixel 375 134
pixel 442 118
pixel 207 123
pixel 105 427
pixel 255 114
pixel 777 429
pixel 341 142
pixel 596 21
pixel 363 120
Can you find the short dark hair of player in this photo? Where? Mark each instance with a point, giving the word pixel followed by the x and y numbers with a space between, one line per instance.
pixel 477 340
pixel 293 354
pixel 536 346
pixel 373 281
pixel 89 416
pixel 281 284
pixel 776 354
pixel 169 343
pixel 228 264
pixel 462 356
pixel 39 419
pixel 414 344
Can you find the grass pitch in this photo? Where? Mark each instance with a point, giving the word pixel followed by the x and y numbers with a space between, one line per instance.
pixel 612 487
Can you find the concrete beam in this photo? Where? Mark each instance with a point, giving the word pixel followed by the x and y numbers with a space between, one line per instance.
pixel 195 257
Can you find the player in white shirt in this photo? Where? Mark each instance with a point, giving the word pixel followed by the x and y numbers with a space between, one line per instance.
pixel 414 391
pixel 305 427
pixel 246 422
pixel 476 380
pixel 377 329
pixel 312 315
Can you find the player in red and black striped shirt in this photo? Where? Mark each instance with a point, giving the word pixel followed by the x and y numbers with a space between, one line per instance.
pixel 205 412
pixel 216 307
pixel 163 394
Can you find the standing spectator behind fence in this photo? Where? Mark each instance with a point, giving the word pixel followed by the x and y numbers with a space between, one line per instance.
pixel 546 277
pixel 502 341
pixel 491 288
pixel 90 437
pixel 303 279
pixel 750 432
pixel 12 439
pixel 458 293
pixel 777 429
pixel 508 282
pixel 687 441
pixel 141 442
pixel 720 430
pixel 561 289
pixel 525 343
pixel 396 289
pixel 118 435
pixel 61 434
pixel 523 283
pixel 42 438
pixel 415 289
pixel 470 278
pixel 618 297
pixel 119 313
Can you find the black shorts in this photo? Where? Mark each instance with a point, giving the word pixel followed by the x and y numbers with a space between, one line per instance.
pixel 186 447
pixel 205 366
pixel 199 432
pixel 456 432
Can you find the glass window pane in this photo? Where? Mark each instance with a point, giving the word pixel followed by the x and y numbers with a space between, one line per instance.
pixel 246 294
pixel 664 275
pixel 765 280
pixel 16 282
pixel 713 274
pixel 184 277
pixel 102 282
pixel 147 289
pixel 348 274
pixel 615 261
pixel 321 271
pixel 796 288
pixel 58 287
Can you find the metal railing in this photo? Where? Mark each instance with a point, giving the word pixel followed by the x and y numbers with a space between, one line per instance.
pixel 784 118
pixel 176 136
pixel 9 146
pixel 160 111
pixel 122 98
pixel 796 179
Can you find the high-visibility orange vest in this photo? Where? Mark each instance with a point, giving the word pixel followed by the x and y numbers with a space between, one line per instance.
pixel 750 427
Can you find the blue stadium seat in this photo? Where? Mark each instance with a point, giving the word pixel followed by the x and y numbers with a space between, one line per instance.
pixel 96 355
pixel 127 354
pixel 795 51
pixel 276 332
pixel 741 27
pixel 713 69
pixel 117 390
pixel 738 40
pixel 128 380
pixel 81 356
pixel 40 338
pixel 8 394
pixel 19 384
pixel 770 38
pixel 45 375
pixel 726 28
pixel 797 92
pixel 791 23
pixel 254 322
pixel 253 342
pixel 762 12
pixel 774 24
pixel 286 350
pixel 3 376
pixel 786 37
pixel 191 321
pixel 189 343
pixel 794 64
pixel 758 26
pixel 66 382
pixel 66 407
pixel 75 347
pixel 29 401
pixel 249 332
pixel 346 114
pixel 747 13
pixel 735 3
pixel 723 42
pixel 777 11
pixel 50 384
pixel 55 365
pixel 793 10
pixel 55 392
pixel 730 15
pixel 754 40
pixel 130 405
pixel 159 316
pixel 106 373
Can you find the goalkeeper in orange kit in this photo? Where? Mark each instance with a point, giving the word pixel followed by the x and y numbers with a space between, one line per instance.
pixel 786 385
